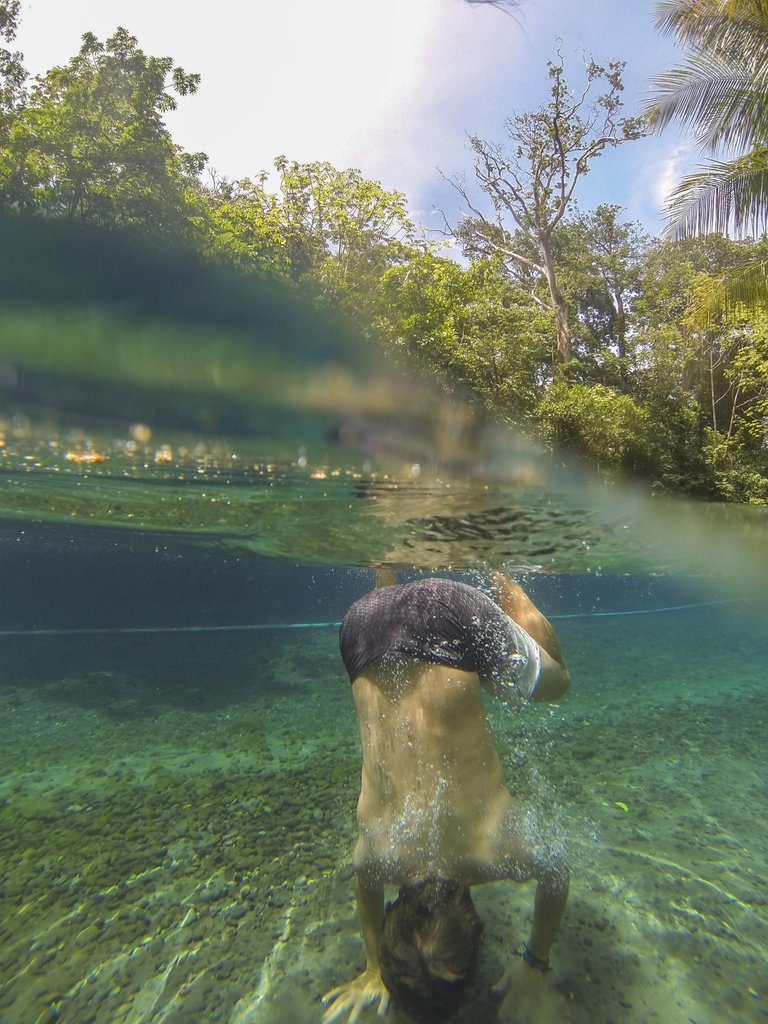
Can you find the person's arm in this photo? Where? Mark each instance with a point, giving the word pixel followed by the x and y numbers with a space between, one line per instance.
pixel 369 893
pixel 368 987
pixel 512 599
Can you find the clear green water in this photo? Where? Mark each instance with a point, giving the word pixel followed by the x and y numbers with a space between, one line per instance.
pixel 179 757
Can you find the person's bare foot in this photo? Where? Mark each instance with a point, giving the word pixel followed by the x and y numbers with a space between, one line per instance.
pixel 530 998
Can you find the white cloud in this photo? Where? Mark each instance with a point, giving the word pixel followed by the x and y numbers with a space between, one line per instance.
pixel 671 168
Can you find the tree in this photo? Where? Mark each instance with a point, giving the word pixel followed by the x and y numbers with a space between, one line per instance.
pixel 701 383
pixel 12 73
pixel 353 226
pixel 532 185
pixel 721 94
pixel 333 230
pixel 90 143
pixel 671 362
pixel 613 429
pixel 247 228
pixel 748 375
pixel 472 327
pixel 733 354
pixel 600 259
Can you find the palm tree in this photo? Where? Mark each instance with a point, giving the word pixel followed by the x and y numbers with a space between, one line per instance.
pixel 722 94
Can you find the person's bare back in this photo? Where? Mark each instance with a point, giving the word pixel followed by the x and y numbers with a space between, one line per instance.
pixel 432 799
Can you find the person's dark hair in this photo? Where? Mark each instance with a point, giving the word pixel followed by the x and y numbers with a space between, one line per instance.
pixel 429 947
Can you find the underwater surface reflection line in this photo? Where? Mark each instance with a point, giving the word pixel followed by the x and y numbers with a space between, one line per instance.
pixel 254 626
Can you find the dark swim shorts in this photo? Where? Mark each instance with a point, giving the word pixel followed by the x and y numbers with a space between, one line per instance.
pixel 443 622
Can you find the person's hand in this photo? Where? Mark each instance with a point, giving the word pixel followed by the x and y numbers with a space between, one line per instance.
pixel 529 997
pixel 519 977
pixel 354 996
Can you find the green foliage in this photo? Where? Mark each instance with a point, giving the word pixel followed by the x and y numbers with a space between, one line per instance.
pixel 748 374
pixel 738 474
pixel 706 381
pixel 345 217
pixel 472 327
pixel 600 260
pixel 89 143
pixel 329 229
pixel 644 356
pixel 611 428
pixel 247 228
pixel 12 72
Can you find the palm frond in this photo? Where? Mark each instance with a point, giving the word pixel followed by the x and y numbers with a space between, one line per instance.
pixel 704 23
pixel 743 287
pixel 725 105
pixel 728 197
pixel 733 33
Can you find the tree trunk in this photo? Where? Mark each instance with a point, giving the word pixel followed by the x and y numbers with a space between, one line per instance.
pixel 621 327
pixel 560 306
pixel 563 325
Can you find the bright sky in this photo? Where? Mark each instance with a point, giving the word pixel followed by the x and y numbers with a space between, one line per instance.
pixel 391 87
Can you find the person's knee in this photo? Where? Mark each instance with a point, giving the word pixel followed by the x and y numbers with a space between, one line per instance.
pixel 552 873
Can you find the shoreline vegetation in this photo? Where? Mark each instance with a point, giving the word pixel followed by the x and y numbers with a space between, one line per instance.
pixel 574 325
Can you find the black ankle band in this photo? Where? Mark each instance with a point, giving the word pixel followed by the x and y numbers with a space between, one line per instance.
pixel 533 961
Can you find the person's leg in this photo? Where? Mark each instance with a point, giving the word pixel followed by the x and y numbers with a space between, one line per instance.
pixel 526 848
pixel 548 906
pixel 386 577
pixel 528 996
pixel 512 599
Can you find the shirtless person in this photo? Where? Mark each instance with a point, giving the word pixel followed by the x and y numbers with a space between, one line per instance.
pixel 434 814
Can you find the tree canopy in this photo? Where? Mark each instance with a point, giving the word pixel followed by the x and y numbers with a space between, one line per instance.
pixel 89 142
pixel 12 72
